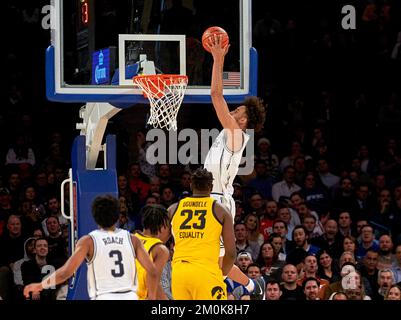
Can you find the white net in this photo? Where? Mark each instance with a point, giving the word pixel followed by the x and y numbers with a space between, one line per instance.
pixel 165 94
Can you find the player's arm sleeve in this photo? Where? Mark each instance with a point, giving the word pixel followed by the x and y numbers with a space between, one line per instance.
pixel 166 281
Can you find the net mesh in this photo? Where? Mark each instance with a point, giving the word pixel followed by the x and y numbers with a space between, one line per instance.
pixel 165 94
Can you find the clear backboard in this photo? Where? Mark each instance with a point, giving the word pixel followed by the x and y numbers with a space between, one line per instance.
pixel 98 46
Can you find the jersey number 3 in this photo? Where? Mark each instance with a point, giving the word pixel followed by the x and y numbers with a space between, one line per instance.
pixel 199 224
pixel 119 271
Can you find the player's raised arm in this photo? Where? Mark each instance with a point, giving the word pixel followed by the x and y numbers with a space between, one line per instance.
pixel 216 91
pixel 151 273
pixel 83 248
pixel 226 119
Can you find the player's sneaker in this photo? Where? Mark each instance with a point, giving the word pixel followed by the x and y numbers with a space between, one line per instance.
pixel 259 291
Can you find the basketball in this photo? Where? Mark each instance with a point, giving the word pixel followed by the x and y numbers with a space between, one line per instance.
pixel 210 32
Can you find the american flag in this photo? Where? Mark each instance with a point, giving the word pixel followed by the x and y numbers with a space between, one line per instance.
pixel 231 79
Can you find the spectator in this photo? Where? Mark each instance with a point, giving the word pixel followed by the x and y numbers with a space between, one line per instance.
pixel 379 184
pixel 300 170
pixel 350 244
pixel 239 211
pixel 244 259
pixel 137 182
pixel 386 258
pixel 253 271
pixel 385 280
pixel 267 220
pixel 346 269
pixel 310 269
pixel 57 246
pixel 368 242
pixel 5 208
pixel 328 179
pixel 14 187
pixel 131 198
pixel 280 228
pixel 53 209
pixel 382 217
pixel 29 254
pixel 154 185
pixel 316 195
pixel 394 293
pixel 263 153
pixel 167 196
pixel 273 290
pixel 262 182
pixel 296 151
pixel 368 165
pixel 185 183
pixel 164 174
pixel 251 222
pixel 396 268
pixel 124 222
pixel 299 234
pixel 310 286
pixel 36 269
pixel 344 224
pixel 331 240
pixel 356 290
pixel 310 222
pixel 242 243
pixel 344 196
pixel 30 195
pixel 370 271
pixel 12 242
pixel 303 212
pixel 327 267
pixel 338 296
pixel 277 243
pixel 21 157
pixel 285 187
pixel 290 217
pixel 362 207
pixel 271 266
pixel 42 187
pixel 256 204
pixel 290 289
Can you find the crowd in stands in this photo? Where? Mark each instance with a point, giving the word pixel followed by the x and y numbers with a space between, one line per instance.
pixel 320 216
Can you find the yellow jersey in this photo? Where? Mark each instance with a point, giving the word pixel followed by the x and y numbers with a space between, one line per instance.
pixel 196 232
pixel 149 243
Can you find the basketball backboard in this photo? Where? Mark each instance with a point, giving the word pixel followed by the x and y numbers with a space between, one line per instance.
pixel 97 46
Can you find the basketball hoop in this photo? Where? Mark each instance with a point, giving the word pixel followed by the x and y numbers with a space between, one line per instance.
pixel 165 93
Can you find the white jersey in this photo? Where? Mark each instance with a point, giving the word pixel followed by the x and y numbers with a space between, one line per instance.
pixel 112 269
pixel 224 164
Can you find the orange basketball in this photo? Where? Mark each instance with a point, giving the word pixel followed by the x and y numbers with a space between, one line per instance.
pixel 210 32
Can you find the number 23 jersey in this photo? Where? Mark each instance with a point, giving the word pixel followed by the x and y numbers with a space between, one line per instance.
pixel 196 232
pixel 112 268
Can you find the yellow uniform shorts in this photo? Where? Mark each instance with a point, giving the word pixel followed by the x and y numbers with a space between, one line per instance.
pixel 195 282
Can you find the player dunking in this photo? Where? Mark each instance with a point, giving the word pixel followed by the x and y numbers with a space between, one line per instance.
pixel 110 254
pixel 156 232
pixel 197 223
pixel 225 155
